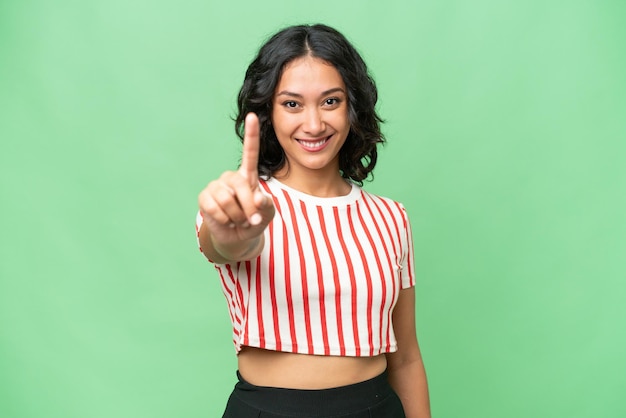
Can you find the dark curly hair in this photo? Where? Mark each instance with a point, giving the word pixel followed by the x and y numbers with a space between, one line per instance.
pixel 358 155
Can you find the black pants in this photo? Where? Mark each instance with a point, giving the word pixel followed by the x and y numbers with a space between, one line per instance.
pixel 372 398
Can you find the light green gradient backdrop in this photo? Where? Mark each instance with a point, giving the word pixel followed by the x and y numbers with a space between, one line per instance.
pixel 506 128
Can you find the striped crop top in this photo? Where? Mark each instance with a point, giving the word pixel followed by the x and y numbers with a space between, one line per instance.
pixel 328 277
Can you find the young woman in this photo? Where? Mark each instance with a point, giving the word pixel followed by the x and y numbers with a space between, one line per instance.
pixel 317 273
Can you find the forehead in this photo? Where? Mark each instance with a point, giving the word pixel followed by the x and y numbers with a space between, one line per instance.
pixel 309 74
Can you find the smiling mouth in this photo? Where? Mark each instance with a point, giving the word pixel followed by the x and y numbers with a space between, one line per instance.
pixel 313 145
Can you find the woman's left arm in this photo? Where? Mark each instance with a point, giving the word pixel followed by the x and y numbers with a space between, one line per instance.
pixel 406 370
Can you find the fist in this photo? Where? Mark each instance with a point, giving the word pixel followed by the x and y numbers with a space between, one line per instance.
pixel 233 208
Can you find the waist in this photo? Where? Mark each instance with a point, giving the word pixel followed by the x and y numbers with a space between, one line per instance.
pixel 338 401
pixel 302 371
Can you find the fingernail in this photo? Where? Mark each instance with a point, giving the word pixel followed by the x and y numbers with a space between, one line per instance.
pixel 245 225
pixel 256 219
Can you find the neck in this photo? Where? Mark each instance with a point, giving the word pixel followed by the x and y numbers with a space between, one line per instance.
pixel 314 183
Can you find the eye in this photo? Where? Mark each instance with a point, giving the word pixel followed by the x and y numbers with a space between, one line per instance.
pixel 332 101
pixel 290 104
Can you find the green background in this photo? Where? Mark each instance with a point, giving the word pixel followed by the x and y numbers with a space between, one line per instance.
pixel 506 127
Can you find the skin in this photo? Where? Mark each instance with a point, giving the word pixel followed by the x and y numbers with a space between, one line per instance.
pixel 310 107
pixel 310 118
pixel 234 210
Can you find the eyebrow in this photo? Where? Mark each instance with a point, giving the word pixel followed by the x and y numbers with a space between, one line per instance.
pixel 324 93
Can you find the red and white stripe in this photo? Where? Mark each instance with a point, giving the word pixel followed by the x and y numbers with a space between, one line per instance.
pixel 328 277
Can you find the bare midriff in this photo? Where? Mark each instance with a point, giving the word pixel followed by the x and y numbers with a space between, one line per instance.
pixel 301 371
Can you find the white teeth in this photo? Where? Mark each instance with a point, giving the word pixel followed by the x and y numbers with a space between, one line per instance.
pixel 313 145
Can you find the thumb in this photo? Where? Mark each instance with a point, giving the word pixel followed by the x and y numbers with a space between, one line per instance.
pixel 260 200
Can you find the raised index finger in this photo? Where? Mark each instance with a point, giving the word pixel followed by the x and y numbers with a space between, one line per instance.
pixel 250 153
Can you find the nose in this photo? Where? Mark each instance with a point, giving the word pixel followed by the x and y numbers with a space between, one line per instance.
pixel 313 123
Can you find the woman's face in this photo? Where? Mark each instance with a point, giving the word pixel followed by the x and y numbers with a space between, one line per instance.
pixel 310 117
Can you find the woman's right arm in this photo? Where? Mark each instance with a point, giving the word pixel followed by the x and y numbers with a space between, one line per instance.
pixel 234 210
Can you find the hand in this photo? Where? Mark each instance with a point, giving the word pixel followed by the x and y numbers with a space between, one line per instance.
pixel 233 207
